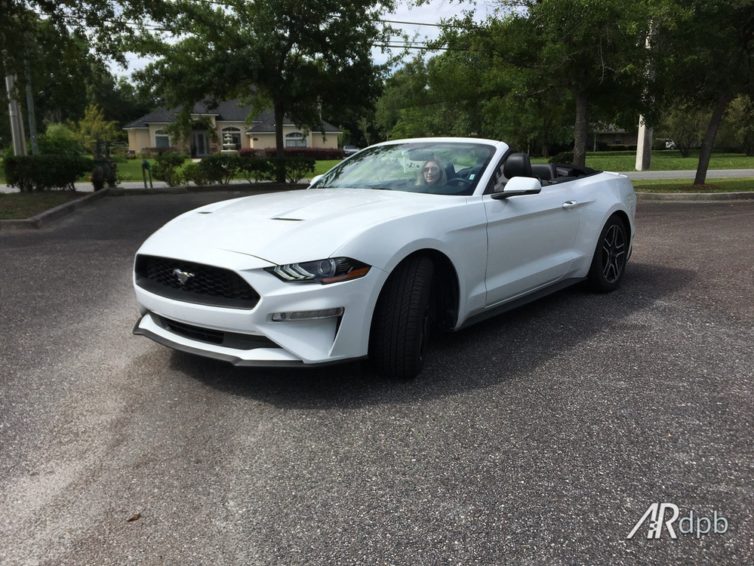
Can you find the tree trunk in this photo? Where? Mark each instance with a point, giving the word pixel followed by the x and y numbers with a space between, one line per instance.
pixel 709 138
pixel 279 142
pixel 580 130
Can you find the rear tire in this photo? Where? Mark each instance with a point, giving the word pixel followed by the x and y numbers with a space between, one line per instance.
pixel 610 256
pixel 401 322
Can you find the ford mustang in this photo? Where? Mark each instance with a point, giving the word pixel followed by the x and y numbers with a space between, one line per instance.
pixel 399 240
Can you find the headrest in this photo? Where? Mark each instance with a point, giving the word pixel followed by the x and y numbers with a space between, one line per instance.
pixel 517 165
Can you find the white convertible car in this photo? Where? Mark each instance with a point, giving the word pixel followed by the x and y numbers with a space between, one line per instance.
pixel 401 238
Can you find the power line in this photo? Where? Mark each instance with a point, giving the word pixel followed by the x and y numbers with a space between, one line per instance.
pixel 426 24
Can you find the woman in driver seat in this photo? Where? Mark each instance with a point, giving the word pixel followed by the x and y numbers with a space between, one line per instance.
pixel 432 173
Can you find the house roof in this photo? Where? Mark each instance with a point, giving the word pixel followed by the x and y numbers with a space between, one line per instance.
pixel 225 111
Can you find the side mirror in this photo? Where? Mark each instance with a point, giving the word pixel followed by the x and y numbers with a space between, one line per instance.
pixel 519 186
pixel 314 180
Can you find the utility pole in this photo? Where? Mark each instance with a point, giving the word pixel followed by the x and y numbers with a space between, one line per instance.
pixel 644 140
pixel 643 146
pixel 31 115
pixel 16 120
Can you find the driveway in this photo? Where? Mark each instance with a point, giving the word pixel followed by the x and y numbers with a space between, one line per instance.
pixel 539 437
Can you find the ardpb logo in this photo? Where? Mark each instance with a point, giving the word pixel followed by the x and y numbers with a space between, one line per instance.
pixel 664 516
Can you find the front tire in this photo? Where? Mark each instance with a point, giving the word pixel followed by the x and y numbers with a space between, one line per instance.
pixel 401 323
pixel 610 256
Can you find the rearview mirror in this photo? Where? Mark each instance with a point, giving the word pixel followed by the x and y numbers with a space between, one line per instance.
pixel 519 186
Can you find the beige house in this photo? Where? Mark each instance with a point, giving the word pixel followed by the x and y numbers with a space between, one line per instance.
pixel 226 128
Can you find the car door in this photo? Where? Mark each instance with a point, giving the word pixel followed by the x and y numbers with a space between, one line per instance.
pixel 530 241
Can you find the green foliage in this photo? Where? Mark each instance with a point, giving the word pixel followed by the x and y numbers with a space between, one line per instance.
pixel 167 168
pixel 59 139
pixel 55 46
pixel 93 129
pixel 292 169
pixel 303 59
pixel 44 172
pixel 220 167
pixel 255 169
pixel 191 172
pixel 738 127
pixel 702 55
pixel 104 24
pixel 685 125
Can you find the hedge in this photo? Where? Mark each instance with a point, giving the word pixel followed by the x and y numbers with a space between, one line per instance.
pixel 306 152
pixel 44 172
pixel 167 168
pixel 220 167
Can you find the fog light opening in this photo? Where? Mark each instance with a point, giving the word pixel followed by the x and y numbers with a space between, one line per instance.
pixel 307 315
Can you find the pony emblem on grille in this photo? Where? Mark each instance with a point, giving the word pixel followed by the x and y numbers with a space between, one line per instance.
pixel 182 276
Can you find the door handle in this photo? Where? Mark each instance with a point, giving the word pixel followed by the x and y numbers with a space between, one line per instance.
pixel 569 204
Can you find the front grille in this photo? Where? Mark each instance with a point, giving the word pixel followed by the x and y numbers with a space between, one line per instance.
pixel 227 339
pixel 204 284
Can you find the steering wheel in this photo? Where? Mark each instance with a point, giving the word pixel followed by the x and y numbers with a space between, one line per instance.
pixel 459 185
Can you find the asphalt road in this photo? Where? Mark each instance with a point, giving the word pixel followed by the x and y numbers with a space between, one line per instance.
pixel 539 437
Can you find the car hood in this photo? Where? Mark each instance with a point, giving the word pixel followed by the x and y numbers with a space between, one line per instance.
pixel 286 227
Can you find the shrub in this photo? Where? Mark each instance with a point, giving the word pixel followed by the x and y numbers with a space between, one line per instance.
pixel 307 152
pixel 44 172
pixel 295 168
pixel 255 169
pixel 167 168
pixel 193 173
pixel 59 139
pixel 562 157
pixel 220 167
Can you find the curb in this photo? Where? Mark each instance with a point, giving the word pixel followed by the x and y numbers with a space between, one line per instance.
pixel 695 197
pixel 48 216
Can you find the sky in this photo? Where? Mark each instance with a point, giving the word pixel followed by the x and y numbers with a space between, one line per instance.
pixel 432 13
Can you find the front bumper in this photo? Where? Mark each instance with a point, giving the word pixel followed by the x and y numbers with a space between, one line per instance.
pixel 287 343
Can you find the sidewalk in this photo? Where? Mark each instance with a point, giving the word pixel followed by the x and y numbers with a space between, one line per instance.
pixel 689 174
pixel 86 187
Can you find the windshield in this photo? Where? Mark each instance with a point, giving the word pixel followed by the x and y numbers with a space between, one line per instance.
pixel 438 168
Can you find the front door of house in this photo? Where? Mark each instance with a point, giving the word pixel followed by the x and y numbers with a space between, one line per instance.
pixel 199 144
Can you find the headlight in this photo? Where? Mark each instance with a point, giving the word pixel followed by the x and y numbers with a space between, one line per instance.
pixel 323 271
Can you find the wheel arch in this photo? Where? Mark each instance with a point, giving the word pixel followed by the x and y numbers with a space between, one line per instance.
pixel 445 286
pixel 625 219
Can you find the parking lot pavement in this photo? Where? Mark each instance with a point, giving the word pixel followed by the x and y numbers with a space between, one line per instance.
pixel 540 437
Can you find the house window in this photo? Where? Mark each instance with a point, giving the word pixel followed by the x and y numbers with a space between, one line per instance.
pixel 161 139
pixel 295 139
pixel 231 138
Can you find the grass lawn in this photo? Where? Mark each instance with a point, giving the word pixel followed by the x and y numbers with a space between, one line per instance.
pixel 712 186
pixel 669 160
pixel 130 169
pixel 324 166
pixel 26 205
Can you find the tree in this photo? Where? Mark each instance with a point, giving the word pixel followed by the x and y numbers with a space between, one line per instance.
pixel 703 52
pixel 591 49
pixel 685 126
pixel 304 60
pixel 58 48
pixel 103 24
pixel 93 129
pixel 741 120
